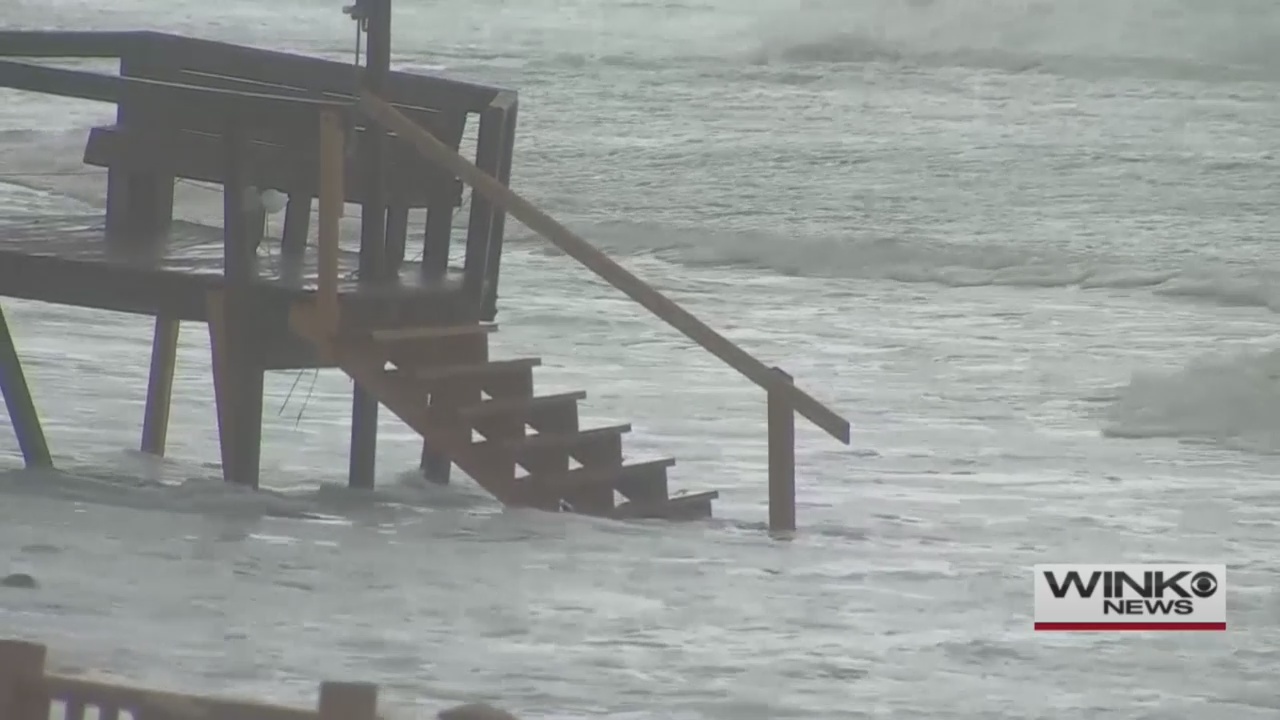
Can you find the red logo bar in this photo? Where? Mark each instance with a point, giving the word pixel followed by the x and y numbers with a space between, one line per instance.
pixel 1129 626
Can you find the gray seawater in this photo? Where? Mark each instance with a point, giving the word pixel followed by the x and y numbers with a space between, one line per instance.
pixel 1027 247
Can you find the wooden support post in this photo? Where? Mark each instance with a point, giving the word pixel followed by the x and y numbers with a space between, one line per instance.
pixel 373 232
pixel 364 439
pixel 164 356
pixel 240 388
pixel 17 397
pixel 245 358
pixel 238 372
pixel 22 692
pixel 435 466
pixel 348 701
pixel 396 236
pixel 373 144
pixel 222 395
pixel 297 218
pixel 782 461
pixel 436 239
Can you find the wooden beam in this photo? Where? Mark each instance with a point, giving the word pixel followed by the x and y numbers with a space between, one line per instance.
pixel 69 44
pixel 410 180
pixel 327 77
pixel 164 355
pixel 282 119
pixel 782 460
pixel 17 397
pixel 602 265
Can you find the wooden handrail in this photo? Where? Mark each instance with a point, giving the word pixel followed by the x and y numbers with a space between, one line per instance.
pixel 584 252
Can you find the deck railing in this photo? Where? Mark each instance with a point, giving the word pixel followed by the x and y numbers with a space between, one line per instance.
pixel 28 692
pixel 784 398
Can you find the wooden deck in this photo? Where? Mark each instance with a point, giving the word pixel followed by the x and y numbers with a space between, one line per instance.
pixel 68 260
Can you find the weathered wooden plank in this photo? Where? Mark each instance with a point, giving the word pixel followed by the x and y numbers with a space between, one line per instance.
pixel 318 74
pixel 199 156
pixel 69 44
pixel 117 697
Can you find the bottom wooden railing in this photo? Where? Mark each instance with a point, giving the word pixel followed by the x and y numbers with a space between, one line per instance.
pixel 27 692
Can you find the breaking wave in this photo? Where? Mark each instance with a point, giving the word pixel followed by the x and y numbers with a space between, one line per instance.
pixel 1014 34
pixel 1228 399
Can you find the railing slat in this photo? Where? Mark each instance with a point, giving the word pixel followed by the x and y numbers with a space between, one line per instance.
pixel 604 266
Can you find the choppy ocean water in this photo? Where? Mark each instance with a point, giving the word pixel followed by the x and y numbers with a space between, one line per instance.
pixel 1027 247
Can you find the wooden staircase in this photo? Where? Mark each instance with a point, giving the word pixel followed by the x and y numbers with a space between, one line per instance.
pixel 479 413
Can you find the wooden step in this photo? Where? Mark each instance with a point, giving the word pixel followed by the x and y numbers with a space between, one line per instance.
pixel 384 336
pixel 572 443
pixel 646 481
pixel 549 452
pixel 472 370
pixel 526 408
pixel 693 506
pixel 475 374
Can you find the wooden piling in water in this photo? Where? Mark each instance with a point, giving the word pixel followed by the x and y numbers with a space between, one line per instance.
pixel 164 356
pixel 21 670
pixel 348 701
pixel 221 381
pixel 373 232
pixel 435 466
pixel 17 398
pixel 782 460
pixel 241 352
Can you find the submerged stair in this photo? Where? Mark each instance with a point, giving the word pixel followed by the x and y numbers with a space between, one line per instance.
pixel 483 415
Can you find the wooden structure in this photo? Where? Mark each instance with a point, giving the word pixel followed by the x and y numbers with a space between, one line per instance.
pixel 27 692
pixel 413 336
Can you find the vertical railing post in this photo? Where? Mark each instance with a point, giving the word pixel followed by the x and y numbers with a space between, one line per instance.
pixel 348 701
pixel 331 208
pixel 22 693
pixel 489 147
pixel 782 460
pixel 373 144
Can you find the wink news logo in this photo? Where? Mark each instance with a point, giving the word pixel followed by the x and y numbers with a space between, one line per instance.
pixel 1130 597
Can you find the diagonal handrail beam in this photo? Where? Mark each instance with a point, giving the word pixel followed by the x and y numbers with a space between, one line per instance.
pixel 771 380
